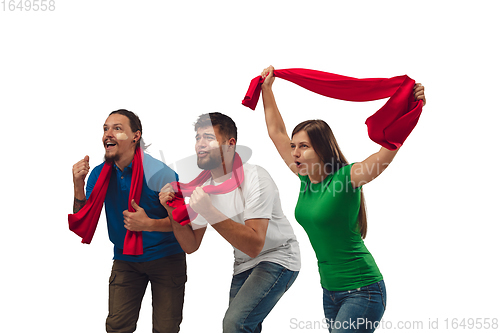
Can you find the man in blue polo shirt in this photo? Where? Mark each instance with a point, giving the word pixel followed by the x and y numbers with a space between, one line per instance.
pixel 163 262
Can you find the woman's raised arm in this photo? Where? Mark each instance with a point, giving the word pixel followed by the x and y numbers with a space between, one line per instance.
pixel 275 124
pixel 364 172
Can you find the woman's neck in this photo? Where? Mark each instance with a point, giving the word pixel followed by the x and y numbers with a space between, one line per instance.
pixel 318 175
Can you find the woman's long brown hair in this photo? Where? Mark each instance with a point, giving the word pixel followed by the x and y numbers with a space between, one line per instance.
pixel 325 145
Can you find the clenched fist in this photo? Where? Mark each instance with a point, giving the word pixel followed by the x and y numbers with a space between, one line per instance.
pixel 166 194
pixel 80 171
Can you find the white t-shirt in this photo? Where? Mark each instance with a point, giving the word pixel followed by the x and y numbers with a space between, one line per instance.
pixel 258 198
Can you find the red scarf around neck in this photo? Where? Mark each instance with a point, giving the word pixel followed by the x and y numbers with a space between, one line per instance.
pixel 182 212
pixel 84 222
pixel 389 126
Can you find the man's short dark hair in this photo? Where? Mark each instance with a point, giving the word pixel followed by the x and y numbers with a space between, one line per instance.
pixel 225 125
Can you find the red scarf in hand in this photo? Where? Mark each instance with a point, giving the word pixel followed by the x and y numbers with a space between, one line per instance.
pixel 182 212
pixel 389 126
pixel 84 223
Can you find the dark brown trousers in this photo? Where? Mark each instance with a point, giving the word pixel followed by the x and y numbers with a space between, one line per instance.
pixel 127 285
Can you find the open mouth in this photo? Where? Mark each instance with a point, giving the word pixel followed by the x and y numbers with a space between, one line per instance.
pixel 202 153
pixel 298 164
pixel 109 145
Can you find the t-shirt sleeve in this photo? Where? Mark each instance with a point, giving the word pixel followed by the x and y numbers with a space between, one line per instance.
pixel 260 194
pixel 161 177
pixel 345 174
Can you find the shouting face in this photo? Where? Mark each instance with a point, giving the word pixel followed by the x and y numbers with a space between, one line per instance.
pixel 118 138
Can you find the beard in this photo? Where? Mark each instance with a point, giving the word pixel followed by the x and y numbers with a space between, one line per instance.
pixel 111 158
pixel 210 162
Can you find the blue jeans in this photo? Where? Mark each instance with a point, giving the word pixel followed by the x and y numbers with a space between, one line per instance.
pixel 253 295
pixel 358 310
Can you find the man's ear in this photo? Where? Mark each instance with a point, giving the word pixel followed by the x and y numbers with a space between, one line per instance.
pixel 137 136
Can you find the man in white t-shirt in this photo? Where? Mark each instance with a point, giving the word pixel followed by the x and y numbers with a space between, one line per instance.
pixel 250 218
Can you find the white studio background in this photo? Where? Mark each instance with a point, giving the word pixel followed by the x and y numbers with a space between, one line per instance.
pixel 432 223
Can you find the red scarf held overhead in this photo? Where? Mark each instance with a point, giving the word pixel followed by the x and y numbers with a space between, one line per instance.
pixel 182 212
pixel 84 223
pixel 389 126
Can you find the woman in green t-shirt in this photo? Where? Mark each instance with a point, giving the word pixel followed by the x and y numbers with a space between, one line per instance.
pixel 331 210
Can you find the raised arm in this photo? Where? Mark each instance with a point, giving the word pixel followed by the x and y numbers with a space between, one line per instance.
pixel 275 124
pixel 364 172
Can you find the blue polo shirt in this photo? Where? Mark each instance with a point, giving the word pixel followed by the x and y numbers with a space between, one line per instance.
pixel 156 174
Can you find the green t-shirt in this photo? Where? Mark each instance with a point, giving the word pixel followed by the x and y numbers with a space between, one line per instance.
pixel 328 212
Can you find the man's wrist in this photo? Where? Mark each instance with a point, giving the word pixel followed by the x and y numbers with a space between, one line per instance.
pixel 159 225
pixel 213 216
pixel 150 224
pixel 79 193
